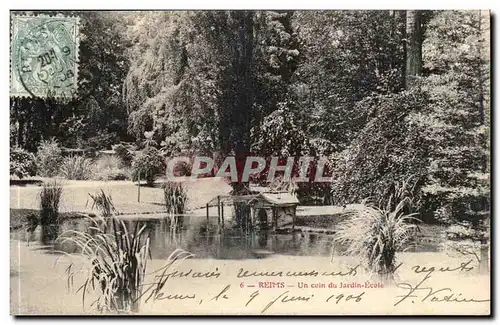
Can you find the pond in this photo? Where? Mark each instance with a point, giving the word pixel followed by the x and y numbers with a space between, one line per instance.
pixel 192 236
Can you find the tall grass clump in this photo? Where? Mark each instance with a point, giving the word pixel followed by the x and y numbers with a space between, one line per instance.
pixel 175 196
pixel 375 235
pixel 77 168
pixel 279 184
pixel 110 168
pixel 49 158
pixel 50 198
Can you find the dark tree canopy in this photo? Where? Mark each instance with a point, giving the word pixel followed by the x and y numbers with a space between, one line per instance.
pixel 388 96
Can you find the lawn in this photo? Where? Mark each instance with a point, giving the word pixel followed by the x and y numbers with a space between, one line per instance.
pixel 124 194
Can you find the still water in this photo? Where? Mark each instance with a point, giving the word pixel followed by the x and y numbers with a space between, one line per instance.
pixel 191 235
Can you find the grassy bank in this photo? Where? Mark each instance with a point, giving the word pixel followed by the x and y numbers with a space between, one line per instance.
pixel 30 218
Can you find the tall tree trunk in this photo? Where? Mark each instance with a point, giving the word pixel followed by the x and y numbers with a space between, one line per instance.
pixel 392 14
pixel 403 32
pixel 246 94
pixel 241 94
pixel 413 46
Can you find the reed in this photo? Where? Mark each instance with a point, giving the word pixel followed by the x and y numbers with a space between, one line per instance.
pixel 115 259
pixel 50 198
pixel 103 203
pixel 175 197
pixel 375 235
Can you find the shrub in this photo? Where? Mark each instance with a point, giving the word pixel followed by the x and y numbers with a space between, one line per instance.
pixel 110 168
pixel 49 158
pixel 375 235
pixel 76 167
pixel 112 175
pixel 123 153
pixel 175 196
pixel 149 163
pixel 50 198
pixel 100 141
pixel 22 163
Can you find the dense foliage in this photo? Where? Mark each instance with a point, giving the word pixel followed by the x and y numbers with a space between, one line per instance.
pixel 285 83
pixel 49 158
pixel 456 119
pixel 22 163
pixel 76 167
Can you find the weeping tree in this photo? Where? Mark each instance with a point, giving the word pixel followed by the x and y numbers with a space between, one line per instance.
pixel 201 83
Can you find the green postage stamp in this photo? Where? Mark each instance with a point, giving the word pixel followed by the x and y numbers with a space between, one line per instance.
pixel 44 56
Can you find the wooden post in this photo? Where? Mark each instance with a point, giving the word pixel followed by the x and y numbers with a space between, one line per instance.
pixel 139 187
pixel 274 221
pixel 207 217
pixel 218 210
pixel 293 217
pixel 222 214
pixel 252 214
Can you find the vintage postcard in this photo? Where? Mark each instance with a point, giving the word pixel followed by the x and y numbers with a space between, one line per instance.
pixel 250 162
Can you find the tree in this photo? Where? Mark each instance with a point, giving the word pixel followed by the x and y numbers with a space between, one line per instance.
pixel 276 59
pixel 211 97
pixel 346 56
pixel 208 78
pixel 414 46
pixel 96 116
pixel 456 131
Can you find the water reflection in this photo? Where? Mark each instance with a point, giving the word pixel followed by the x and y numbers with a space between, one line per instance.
pixel 205 240
pixel 48 233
